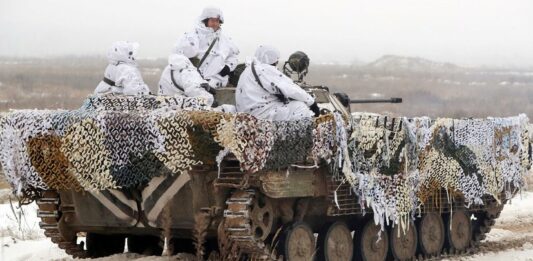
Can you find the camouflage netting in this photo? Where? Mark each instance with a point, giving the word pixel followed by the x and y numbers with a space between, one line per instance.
pixel 392 164
pixel 400 163
pixel 135 103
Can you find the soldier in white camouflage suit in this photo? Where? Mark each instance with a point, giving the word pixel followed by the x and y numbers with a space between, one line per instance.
pixel 122 76
pixel 215 52
pixel 266 93
pixel 180 77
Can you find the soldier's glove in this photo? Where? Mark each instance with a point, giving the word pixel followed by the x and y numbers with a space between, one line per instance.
pixel 214 105
pixel 314 108
pixel 225 71
pixel 208 88
pixel 195 61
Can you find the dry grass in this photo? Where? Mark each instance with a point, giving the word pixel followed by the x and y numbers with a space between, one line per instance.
pixel 467 93
pixel 65 82
pixel 57 83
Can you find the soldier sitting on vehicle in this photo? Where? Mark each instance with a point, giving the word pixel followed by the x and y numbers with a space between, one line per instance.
pixel 266 93
pixel 214 54
pixel 181 77
pixel 122 75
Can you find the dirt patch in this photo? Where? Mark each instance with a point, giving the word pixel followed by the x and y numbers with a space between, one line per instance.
pixel 529 181
pixel 5 194
pixel 519 227
pixel 3 181
pixel 495 246
pixel 5 189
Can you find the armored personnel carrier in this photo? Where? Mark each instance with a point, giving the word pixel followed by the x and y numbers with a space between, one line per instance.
pixel 153 171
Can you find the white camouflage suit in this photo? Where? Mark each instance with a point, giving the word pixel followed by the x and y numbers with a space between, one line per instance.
pixel 122 71
pixel 262 102
pixel 223 53
pixel 184 80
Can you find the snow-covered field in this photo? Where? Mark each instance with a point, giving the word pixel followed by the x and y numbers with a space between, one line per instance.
pixel 21 239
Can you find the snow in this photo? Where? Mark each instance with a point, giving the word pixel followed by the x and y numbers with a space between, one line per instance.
pixel 517 212
pixel 41 249
pixel 152 71
pixel 21 239
pixel 524 253
pixel 131 256
pixel 20 235
pixel 20 223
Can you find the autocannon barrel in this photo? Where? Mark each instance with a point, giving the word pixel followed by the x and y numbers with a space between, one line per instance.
pixel 391 100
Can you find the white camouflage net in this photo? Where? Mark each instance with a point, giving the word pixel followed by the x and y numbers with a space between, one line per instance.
pixel 392 164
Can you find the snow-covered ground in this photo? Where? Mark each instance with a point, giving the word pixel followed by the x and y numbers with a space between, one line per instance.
pixel 21 239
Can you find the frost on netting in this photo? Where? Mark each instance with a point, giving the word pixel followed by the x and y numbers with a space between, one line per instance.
pixel 393 165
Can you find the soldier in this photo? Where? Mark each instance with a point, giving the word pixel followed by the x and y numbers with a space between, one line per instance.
pixel 181 77
pixel 266 93
pixel 122 75
pixel 215 54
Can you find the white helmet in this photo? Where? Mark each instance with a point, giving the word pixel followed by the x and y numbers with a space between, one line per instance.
pixel 267 54
pixel 123 51
pixel 178 61
pixel 212 12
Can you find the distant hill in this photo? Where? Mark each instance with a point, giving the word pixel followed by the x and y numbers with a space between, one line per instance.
pixel 412 64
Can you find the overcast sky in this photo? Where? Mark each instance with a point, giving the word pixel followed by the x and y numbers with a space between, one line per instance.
pixel 466 32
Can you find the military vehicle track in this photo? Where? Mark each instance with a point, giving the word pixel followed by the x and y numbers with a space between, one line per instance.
pixel 50 213
pixel 481 227
pixel 243 228
pixel 248 220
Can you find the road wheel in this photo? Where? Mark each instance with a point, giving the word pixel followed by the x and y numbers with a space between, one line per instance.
pixel 297 242
pixel 403 242
pixel 458 230
pixel 431 234
pixel 335 243
pixel 145 245
pixel 262 217
pixel 370 243
pixel 99 245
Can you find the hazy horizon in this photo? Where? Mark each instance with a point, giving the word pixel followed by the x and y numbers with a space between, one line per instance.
pixel 466 33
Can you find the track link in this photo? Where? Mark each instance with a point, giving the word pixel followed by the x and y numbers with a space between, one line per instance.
pixel 238 229
pixel 50 214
